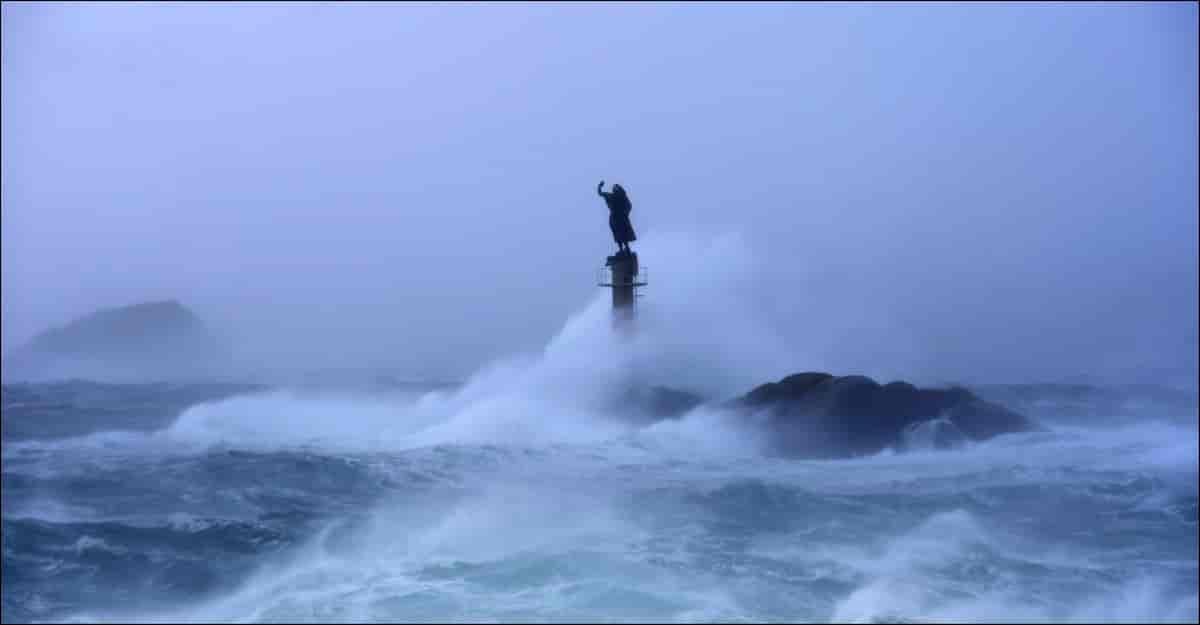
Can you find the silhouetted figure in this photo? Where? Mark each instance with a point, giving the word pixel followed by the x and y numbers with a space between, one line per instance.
pixel 619 208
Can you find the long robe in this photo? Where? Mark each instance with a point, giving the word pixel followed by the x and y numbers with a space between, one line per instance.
pixel 619 208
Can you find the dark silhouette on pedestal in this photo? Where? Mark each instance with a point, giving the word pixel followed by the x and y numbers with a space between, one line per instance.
pixel 621 272
pixel 619 208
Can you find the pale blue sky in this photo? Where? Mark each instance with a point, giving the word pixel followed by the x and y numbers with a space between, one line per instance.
pixel 1013 186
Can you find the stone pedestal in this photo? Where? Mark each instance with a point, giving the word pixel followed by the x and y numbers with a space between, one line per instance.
pixel 624 279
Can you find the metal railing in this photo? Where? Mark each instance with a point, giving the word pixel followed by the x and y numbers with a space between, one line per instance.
pixel 604 277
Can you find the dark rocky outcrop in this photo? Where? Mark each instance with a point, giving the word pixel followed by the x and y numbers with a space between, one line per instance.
pixel 150 341
pixel 821 415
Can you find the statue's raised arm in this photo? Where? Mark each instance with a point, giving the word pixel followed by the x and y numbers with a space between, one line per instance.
pixel 600 190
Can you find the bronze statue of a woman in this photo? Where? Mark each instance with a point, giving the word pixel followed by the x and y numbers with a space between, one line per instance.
pixel 619 208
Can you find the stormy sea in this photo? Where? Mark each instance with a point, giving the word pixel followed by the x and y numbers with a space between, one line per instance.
pixel 523 494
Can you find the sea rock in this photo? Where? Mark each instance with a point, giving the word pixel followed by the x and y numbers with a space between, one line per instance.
pixel 815 414
pixel 153 341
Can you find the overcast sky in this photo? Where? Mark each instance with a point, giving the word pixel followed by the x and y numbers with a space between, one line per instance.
pixel 990 192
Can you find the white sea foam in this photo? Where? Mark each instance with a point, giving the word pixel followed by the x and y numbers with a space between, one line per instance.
pixel 684 338
pixel 548 506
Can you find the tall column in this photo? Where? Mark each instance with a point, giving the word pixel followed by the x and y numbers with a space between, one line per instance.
pixel 624 270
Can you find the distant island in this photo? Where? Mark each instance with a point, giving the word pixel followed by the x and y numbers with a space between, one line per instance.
pixel 151 341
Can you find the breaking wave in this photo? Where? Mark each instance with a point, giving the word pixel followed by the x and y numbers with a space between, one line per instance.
pixel 526 494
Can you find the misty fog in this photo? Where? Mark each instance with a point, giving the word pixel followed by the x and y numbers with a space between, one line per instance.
pixel 940 192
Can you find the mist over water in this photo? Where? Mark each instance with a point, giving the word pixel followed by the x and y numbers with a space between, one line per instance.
pixel 974 193
pixel 696 334
pixel 524 494
pixel 995 195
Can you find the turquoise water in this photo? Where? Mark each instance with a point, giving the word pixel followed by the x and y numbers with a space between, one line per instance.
pixel 280 505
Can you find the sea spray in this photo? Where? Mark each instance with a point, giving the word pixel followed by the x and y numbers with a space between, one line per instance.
pixel 524 495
